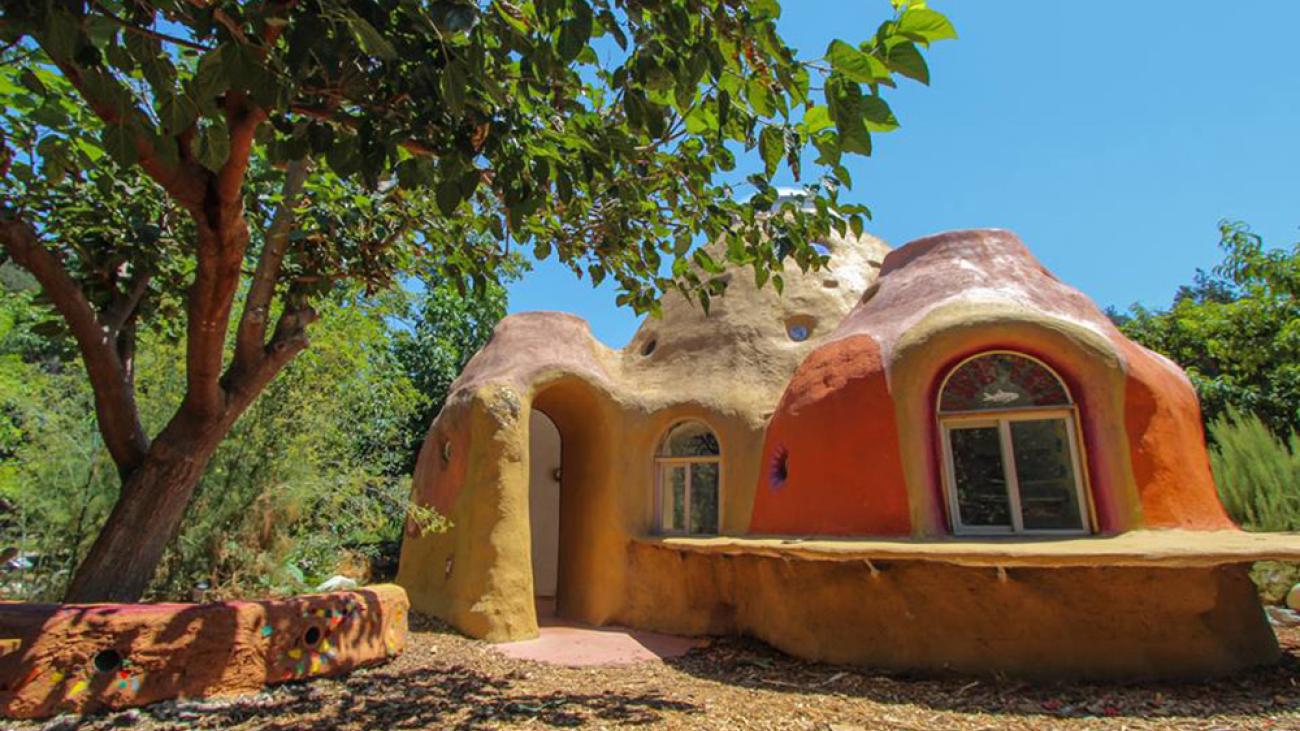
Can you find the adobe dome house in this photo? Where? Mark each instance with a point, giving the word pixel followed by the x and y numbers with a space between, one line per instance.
pixel 938 458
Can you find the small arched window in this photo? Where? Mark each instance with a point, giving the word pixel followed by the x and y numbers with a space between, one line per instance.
pixel 1011 453
pixel 689 463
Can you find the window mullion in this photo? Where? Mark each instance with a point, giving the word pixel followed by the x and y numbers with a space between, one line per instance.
pixel 1009 474
pixel 686 498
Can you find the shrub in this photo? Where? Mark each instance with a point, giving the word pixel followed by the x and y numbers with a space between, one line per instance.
pixel 1257 473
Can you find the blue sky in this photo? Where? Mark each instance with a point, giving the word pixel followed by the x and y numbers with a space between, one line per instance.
pixel 1112 137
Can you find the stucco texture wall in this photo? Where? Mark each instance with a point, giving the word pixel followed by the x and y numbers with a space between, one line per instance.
pixel 1041 622
pixel 938 301
pixel 725 369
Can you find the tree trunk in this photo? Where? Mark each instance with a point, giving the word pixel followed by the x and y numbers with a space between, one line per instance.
pixel 147 515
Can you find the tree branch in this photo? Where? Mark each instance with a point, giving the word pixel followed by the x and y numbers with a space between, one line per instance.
pixel 146 32
pixel 289 339
pixel 185 182
pixel 242 121
pixel 222 230
pixel 251 338
pixel 115 407
pixel 116 315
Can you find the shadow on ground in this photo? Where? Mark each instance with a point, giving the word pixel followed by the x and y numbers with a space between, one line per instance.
pixel 750 663
pixel 441 698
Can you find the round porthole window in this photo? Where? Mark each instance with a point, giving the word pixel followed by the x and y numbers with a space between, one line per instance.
pixel 649 347
pixel 799 328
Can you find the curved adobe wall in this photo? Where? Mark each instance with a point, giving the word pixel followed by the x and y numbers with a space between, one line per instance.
pixel 1163 423
pixel 939 300
pixel 726 369
pixel 1039 622
pixel 831 459
pixel 77 658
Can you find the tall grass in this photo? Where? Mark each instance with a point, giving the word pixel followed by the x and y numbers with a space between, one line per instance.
pixel 1258 474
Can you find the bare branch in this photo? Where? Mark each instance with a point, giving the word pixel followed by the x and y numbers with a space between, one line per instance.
pixel 251 338
pixel 124 306
pixel 115 407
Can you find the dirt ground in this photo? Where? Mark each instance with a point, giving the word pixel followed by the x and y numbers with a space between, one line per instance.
pixel 445 681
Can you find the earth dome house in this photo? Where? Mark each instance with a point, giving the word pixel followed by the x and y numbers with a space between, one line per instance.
pixel 939 458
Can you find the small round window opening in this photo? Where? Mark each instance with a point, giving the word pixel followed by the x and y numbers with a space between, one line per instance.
pixel 649 347
pixel 311 636
pixel 799 328
pixel 106 661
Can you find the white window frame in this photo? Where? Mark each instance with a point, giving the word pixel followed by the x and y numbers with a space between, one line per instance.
pixel 662 465
pixel 1001 420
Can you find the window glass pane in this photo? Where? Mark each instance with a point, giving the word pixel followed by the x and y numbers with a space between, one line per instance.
pixel 691 439
pixel 981 482
pixel 1049 499
pixel 1001 381
pixel 673 494
pixel 704 497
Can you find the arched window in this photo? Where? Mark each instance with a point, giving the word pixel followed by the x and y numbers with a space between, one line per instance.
pixel 1011 454
pixel 689 463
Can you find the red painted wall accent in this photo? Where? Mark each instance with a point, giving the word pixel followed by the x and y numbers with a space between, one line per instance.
pixel 1167 444
pixel 837 428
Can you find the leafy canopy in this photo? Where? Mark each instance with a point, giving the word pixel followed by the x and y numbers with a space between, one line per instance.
pixel 592 130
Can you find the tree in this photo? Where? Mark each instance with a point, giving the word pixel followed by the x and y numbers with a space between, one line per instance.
pixel 308 483
pixel 1236 331
pixel 300 143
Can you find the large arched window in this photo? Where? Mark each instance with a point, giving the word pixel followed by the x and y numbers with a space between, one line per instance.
pixel 1011 454
pixel 689 463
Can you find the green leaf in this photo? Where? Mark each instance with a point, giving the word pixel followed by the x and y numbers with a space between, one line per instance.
pixel 119 142
pixel 764 9
pixel 370 40
pixel 449 195
pixel 29 80
pixel 816 119
pixel 906 59
pixel 844 100
pixel 926 25
pixel 759 96
pixel 62 33
pixel 212 146
pixel 209 80
pixel 344 157
pixel 574 34
pixel 771 145
pixel 177 113
pixel 701 120
pixel 855 64
pixel 877 114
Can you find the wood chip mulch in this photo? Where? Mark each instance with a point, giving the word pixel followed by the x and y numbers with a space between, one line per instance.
pixel 445 681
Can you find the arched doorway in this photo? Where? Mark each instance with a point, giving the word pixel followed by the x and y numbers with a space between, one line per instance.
pixel 544 454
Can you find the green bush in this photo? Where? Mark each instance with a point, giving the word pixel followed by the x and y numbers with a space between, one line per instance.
pixel 1257 473
pixel 311 481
